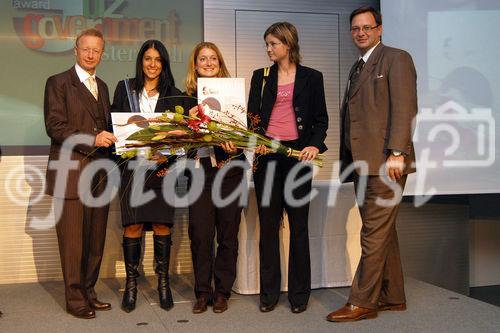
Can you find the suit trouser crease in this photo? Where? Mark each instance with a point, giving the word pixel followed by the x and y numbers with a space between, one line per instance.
pixel 379 275
pixel 299 266
pixel 81 233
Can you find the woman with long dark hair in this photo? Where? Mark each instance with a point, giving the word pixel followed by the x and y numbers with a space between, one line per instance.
pixel 153 84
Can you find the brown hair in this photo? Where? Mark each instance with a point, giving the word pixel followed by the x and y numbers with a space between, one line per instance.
pixel 288 35
pixel 367 9
pixel 192 75
pixel 89 32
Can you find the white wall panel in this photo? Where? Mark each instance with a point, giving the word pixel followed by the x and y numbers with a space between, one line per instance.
pixel 220 29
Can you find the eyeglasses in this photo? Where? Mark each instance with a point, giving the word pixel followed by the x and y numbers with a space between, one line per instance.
pixel 365 28
pixel 89 50
pixel 273 45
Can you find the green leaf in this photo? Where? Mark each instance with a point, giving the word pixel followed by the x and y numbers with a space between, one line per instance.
pixel 158 137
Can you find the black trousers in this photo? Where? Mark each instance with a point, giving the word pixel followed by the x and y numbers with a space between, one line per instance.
pixel 270 215
pixel 205 219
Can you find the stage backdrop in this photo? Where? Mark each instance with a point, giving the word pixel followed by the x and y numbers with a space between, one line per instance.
pixel 37 39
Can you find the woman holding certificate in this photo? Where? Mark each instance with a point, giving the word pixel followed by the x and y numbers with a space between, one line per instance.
pixel 150 92
pixel 289 101
pixel 206 214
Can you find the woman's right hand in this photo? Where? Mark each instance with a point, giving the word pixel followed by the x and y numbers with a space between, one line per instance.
pixel 229 147
pixel 193 112
pixel 261 149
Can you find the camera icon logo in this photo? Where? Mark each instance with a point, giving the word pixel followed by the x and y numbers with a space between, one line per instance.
pixel 460 137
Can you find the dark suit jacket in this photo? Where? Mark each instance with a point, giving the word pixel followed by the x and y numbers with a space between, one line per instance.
pixel 308 103
pixel 70 108
pixel 382 108
pixel 121 104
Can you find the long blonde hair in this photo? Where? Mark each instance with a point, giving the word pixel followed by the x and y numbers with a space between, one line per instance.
pixel 192 75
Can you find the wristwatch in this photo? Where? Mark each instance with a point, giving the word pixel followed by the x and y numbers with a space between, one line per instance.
pixel 396 153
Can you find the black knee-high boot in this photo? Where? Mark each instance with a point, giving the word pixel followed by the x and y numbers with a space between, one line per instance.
pixel 132 255
pixel 162 246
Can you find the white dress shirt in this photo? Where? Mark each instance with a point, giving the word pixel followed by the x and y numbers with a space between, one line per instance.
pixel 147 104
pixel 368 53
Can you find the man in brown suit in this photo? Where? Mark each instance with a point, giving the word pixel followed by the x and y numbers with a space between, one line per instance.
pixel 76 102
pixel 379 106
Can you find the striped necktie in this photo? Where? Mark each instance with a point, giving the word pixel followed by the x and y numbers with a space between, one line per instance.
pixel 355 75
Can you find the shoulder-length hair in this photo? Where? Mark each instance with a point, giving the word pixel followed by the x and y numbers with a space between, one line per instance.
pixel 192 74
pixel 288 35
pixel 166 78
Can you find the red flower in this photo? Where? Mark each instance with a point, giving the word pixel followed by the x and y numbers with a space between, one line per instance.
pixel 194 124
pixel 201 114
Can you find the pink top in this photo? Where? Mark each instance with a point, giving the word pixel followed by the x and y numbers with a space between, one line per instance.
pixel 282 122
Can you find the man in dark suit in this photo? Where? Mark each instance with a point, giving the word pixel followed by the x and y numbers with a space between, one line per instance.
pixel 379 106
pixel 77 102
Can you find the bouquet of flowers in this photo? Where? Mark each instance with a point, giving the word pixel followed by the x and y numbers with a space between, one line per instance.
pixel 175 130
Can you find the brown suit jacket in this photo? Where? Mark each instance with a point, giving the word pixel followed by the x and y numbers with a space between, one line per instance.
pixel 70 108
pixel 382 108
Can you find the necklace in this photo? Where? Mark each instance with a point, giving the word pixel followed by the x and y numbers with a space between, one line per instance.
pixel 150 92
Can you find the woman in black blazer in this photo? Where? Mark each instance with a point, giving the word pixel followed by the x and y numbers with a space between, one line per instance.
pixel 290 102
pixel 153 84
pixel 206 218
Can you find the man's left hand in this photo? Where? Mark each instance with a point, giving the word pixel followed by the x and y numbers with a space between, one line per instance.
pixel 394 166
pixel 104 139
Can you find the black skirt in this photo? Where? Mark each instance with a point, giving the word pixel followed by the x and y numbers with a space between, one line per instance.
pixel 155 211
